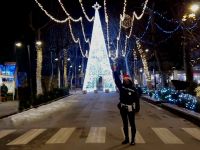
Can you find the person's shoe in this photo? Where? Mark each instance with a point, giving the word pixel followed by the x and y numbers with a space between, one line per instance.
pixel 126 141
pixel 132 142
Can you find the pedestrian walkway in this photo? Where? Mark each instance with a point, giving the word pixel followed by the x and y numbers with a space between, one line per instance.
pixel 9 107
pixel 95 135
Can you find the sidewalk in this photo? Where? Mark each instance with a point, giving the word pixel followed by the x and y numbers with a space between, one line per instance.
pixel 11 107
pixel 185 113
pixel 8 108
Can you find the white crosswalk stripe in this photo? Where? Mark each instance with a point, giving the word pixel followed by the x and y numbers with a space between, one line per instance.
pixel 193 132
pixel 61 136
pixel 27 137
pixel 138 137
pixel 167 136
pixel 97 135
pixel 4 133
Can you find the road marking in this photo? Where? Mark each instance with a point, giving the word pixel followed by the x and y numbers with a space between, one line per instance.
pixel 138 137
pixel 27 137
pixel 193 132
pixel 4 133
pixel 61 136
pixel 167 136
pixel 96 135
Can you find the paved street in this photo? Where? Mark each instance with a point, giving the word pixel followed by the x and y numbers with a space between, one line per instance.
pixel 92 121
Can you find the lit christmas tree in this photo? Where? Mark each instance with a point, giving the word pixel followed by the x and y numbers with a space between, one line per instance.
pixel 98 69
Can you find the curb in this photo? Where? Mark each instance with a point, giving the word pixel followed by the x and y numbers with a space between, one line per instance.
pixel 182 112
pixel 185 113
pixel 151 100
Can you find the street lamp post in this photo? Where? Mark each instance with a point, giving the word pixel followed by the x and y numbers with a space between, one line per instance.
pixel 17 45
pixel 186 52
pixel 30 73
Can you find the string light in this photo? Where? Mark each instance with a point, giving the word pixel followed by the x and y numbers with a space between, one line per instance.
pixel 80 19
pixel 122 17
pixel 146 29
pixel 50 16
pixel 143 10
pixel 124 10
pixel 168 32
pixel 163 17
pixel 144 60
pixel 76 40
pixel 107 27
pixel 84 12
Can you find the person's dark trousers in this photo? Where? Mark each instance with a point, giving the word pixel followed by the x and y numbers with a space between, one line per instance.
pixel 131 117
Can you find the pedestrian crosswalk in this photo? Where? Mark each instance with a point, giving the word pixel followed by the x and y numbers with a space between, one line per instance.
pixel 167 136
pixel 98 135
pixel 61 136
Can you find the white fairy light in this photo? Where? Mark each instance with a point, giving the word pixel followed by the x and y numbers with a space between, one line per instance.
pixel 144 60
pixel 98 64
pixel 143 10
pixel 50 16
pixel 84 12
pixel 122 16
pixel 76 40
pixel 124 10
pixel 73 37
pixel 132 21
pixel 80 19
pixel 107 26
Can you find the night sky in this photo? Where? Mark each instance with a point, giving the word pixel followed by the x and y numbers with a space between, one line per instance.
pixel 15 16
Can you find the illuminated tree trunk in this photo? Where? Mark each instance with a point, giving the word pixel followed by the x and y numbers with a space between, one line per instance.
pixel 51 76
pixel 65 69
pixel 39 71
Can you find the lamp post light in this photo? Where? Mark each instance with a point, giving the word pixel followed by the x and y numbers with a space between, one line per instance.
pixel 141 77
pixel 38 43
pixel 194 8
pixel 18 44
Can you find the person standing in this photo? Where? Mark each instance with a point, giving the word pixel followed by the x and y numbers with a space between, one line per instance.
pixel 4 91
pixel 128 105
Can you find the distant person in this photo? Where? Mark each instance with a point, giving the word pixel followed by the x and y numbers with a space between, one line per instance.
pixel 4 91
pixel 129 105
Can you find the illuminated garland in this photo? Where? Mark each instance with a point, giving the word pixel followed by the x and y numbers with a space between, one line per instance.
pixel 163 17
pixel 143 10
pixel 144 60
pixel 120 26
pixel 146 29
pixel 107 27
pixel 39 70
pixel 167 32
pixel 80 19
pixel 50 16
pixel 84 12
pixel 76 40
pixel 132 21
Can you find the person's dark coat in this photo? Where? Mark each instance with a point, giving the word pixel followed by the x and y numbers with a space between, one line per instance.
pixel 128 93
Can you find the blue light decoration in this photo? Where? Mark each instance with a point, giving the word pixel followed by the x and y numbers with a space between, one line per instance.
pixel 169 95
pixel 8 69
pixel 98 65
pixel 188 100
